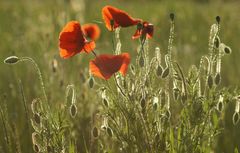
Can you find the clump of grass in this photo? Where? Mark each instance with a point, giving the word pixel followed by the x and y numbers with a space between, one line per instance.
pixel 155 108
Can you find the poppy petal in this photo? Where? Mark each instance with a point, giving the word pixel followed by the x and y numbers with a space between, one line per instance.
pixel 137 34
pixel 89 46
pixel 91 31
pixel 119 17
pixel 104 66
pixel 71 40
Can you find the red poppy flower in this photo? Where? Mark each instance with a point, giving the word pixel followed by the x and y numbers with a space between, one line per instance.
pixel 91 31
pixel 104 66
pixel 115 17
pixel 72 41
pixel 144 29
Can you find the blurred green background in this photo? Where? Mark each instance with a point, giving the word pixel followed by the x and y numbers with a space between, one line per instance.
pixel 31 28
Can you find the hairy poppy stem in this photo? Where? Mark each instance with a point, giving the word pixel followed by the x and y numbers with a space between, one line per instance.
pixel 119 86
pixel 94 53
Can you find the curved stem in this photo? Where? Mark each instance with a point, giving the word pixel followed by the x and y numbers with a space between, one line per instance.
pixel 39 74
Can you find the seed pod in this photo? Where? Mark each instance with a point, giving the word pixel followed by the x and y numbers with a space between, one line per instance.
pixel 210 81
pixel 11 60
pixel 141 61
pixel 37 118
pixel 235 118
pixel 165 72
pixel 95 132
pixel 91 82
pixel 109 131
pixel 217 79
pixel 159 70
pixel 73 110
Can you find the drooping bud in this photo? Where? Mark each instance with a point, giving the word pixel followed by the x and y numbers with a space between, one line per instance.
pixel 220 103
pixel 105 102
pixel 11 60
pixel 159 70
pixel 109 131
pixel 73 110
pixel 165 72
pixel 235 118
pixel 216 42
pixel 227 50
pixel 217 79
pixel 95 132
pixel 172 16
pixel 218 19
pixel 37 118
pixel 210 81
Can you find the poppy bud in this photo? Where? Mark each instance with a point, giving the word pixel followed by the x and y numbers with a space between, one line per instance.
pixel 165 72
pixel 109 131
pixel 141 61
pixel 11 60
pixel 218 19
pixel 159 70
pixel 37 118
pixel 227 50
pixel 176 92
pixel 143 102
pixel 217 42
pixel 210 81
pixel 217 79
pixel 220 103
pixel 105 102
pixel 91 82
pixel 95 132
pixel 73 110
pixel 36 148
pixel 235 118
pixel 171 16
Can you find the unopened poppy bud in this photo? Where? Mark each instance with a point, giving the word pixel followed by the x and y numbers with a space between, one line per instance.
pixel 91 82
pixel 143 102
pixel 217 42
pixel 176 92
pixel 37 118
pixel 159 70
pixel 235 118
pixel 210 81
pixel 95 132
pixel 141 61
pixel 217 79
pixel 227 50
pixel 220 103
pixel 105 102
pixel 171 16
pixel 165 72
pixel 36 148
pixel 73 110
pixel 11 60
pixel 49 148
pixel 109 131
pixel 218 19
